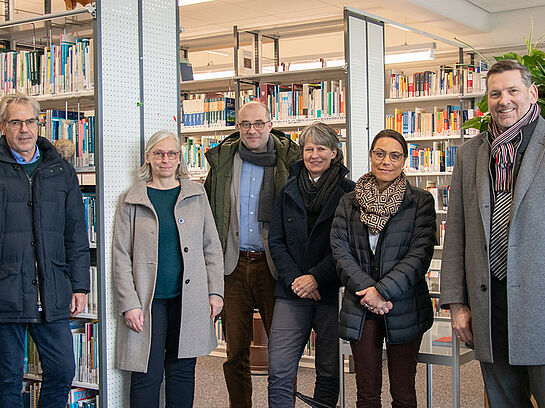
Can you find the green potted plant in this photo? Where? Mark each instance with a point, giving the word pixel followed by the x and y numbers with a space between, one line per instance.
pixel 534 60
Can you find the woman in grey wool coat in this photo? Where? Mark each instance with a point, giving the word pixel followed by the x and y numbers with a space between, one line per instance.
pixel 168 272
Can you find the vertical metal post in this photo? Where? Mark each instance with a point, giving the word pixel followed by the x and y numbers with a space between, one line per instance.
pixel 177 10
pixel 341 358
pixel 429 385
pixel 235 51
pixel 276 54
pixel 455 371
pixel 141 71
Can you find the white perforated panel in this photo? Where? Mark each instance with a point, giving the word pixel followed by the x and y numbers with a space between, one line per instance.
pixel 357 80
pixel 121 151
pixel 118 62
pixel 365 88
pixel 375 66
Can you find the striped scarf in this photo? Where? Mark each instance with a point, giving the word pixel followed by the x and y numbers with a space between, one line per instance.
pixel 504 147
pixel 376 207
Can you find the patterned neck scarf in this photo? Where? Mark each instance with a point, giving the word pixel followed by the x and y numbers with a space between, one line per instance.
pixel 376 207
pixel 504 147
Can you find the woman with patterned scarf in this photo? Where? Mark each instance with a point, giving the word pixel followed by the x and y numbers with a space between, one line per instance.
pixel 382 240
pixel 307 287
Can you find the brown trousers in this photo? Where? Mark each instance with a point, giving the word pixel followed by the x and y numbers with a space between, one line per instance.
pixel 250 286
pixel 402 359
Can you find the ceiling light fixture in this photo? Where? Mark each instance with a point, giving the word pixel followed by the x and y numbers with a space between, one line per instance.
pixel 223 54
pixel 188 2
pixel 409 53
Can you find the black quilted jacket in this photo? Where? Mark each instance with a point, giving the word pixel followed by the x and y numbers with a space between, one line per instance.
pixel 403 255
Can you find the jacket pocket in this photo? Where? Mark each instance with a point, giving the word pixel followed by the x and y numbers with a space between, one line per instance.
pixel 63 286
pixel 11 288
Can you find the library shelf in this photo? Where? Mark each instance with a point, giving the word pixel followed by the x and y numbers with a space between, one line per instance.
pixel 208 85
pixel 432 138
pixel 306 75
pixel 445 97
pixel 429 174
pixel 81 384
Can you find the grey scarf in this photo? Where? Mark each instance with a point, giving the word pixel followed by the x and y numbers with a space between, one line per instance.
pixel 267 159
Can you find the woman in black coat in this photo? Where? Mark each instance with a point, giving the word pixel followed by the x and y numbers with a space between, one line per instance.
pixel 382 240
pixel 306 291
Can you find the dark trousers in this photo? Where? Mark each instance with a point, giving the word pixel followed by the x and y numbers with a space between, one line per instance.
pixel 292 323
pixel 509 385
pixel 179 372
pixel 402 359
pixel 54 343
pixel 248 287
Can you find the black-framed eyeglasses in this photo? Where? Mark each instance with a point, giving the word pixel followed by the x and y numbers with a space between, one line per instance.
pixel 158 155
pixel 394 156
pixel 17 123
pixel 258 125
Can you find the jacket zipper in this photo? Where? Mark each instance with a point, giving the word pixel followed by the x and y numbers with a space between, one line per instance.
pixel 36 276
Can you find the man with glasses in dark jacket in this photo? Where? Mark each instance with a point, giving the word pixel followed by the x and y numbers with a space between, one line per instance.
pixel 44 255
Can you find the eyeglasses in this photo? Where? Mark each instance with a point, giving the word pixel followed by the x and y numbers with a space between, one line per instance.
pixel 158 155
pixel 394 156
pixel 17 123
pixel 258 125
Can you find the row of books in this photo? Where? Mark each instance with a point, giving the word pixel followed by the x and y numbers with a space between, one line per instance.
pixel 82 398
pixel 419 123
pixel 304 101
pixel 85 340
pixel 208 111
pixel 194 149
pixel 78 127
pixel 85 343
pixel 55 69
pixel 438 158
pixel 89 205
pixel 440 196
pixel 92 296
pixel 445 80
pixel 31 394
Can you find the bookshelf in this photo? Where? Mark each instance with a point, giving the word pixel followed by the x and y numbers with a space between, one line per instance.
pixel 59 74
pixel 430 117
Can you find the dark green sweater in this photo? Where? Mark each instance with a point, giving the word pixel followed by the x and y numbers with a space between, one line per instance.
pixel 170 262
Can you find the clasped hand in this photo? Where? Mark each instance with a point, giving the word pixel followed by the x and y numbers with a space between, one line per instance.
pixel 373 301
pixel 305 287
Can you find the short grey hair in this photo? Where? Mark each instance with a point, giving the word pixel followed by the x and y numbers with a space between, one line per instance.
pixel 510 65
pixel 144 173
pixel 321 134
pixel 17 98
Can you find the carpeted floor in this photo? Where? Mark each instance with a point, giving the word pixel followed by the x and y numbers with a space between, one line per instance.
pixel 210 390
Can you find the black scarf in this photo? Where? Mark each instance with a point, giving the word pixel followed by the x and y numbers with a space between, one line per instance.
pixel 315 195
pixel 266 159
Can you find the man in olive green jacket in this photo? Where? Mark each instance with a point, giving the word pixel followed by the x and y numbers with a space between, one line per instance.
pixel 246 171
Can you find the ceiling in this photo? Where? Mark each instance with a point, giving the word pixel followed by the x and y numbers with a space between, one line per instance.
pixel 482 23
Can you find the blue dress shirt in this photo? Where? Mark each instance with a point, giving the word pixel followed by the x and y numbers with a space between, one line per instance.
pixel 19 159
pixel 251 177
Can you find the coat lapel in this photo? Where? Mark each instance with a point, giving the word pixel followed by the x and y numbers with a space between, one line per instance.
pixel 482 176
pixel 533 156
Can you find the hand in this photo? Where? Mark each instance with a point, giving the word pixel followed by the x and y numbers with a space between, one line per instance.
pixel 460 318
pixel 304 285
pixel 134 318
pixel 216 304
pixel 79 301
pixel 374 302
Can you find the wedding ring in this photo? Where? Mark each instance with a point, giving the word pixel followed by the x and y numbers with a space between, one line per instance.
pixel 296 289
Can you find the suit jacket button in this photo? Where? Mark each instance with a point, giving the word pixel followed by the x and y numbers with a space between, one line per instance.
pixel 186 249
pixel 483 288
pixel 187 281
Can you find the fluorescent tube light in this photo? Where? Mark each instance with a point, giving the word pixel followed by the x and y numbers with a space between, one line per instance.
pixel 188 2
pixel 409 53
pixel 217 53
pixel 213 75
